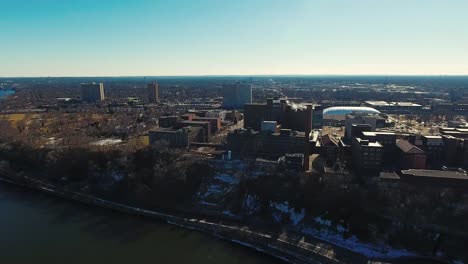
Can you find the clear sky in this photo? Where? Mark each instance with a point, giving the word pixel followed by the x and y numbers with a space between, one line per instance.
pixel 224 37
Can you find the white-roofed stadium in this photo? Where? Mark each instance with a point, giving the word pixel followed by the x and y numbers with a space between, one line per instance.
pixel 340 112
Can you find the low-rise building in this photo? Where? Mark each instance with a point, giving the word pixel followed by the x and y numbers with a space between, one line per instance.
pixel 203 124
pixel 437 178
pixel 294 161
pixel 395 107
pixel 247 142
pixel 329 148
pixel 375 121
pixel 179 138
pixel 271 126
pixel 434 148
pixel 411 157
pixel 168 121
pixel 215 122
pixel 366 155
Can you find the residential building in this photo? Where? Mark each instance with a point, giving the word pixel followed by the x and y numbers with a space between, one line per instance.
pixel 236 95
pixel 153 92
pixel 92 92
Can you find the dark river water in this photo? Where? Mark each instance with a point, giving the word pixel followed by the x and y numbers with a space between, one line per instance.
pixel 37 228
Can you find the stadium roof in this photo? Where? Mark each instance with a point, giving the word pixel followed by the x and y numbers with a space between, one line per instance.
pixel 343 110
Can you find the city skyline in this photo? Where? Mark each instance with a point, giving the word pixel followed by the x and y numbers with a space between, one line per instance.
pixel 213 38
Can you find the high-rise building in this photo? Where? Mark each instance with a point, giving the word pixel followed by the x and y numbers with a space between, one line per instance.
pixel 288 115
pixel 236 95
pixel 92 92
pixel 317 117
pixel 153 92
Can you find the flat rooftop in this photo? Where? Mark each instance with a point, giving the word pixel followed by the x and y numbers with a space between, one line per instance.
pixel 436 174
pixel 164 129
pixel 385 103
pixel 389 176
pixel 377 103
pixel 433 137
pixel 404 104
pixel 376 133
pixel 375 144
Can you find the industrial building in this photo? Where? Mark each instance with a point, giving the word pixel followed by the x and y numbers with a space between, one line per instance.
pixel 395 107
pixel 450 108
pixel 92 92
pixel 236 95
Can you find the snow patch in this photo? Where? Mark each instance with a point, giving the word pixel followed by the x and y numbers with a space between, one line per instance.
pixel 283 208
pixel 375 250
pixel 228 213
pixel 322 221
pixel 227 178
pixel 107 142
pixel 251 204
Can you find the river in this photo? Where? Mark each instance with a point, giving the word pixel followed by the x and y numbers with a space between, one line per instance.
pixel 37 228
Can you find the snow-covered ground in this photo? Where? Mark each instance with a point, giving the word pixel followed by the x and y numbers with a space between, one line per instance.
pixel 227 178
pixel 251 204
pixel 283 210
pixel 213 190
pixel 326 232
pixel 107 142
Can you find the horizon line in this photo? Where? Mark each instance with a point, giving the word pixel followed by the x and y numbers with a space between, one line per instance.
pixel 242 75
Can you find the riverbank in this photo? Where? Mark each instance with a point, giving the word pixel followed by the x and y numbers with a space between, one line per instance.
pixel 282 248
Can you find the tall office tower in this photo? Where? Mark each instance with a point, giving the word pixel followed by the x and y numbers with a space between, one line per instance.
pixel 236 95
pixel 92 92
pixel 153 92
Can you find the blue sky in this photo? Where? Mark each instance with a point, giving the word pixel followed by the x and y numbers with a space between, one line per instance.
pixel 223 37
